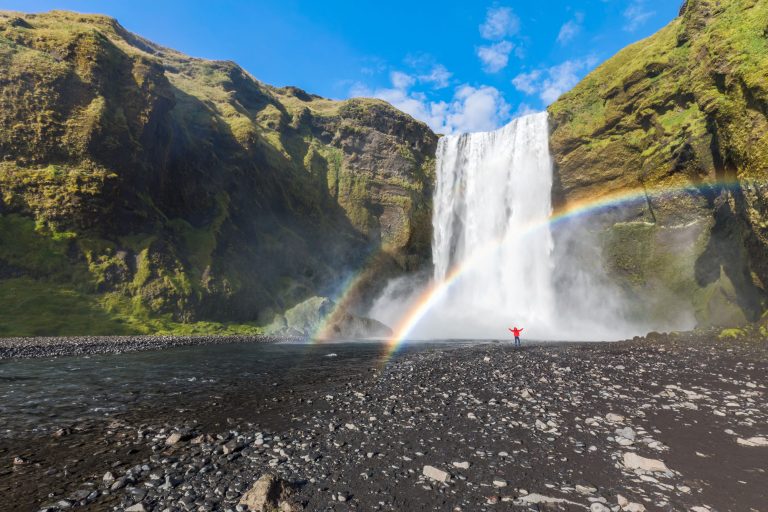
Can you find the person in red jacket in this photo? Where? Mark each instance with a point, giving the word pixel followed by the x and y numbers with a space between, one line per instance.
pixel 516 332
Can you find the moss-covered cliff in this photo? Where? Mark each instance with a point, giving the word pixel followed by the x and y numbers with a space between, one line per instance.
pixel 145 190
pixel 683 116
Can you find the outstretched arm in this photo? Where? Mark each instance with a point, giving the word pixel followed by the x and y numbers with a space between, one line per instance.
pixel 510 330
pixel 521 329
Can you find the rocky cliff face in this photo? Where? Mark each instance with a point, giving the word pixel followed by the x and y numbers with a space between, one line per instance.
pixel 142 189
pixel 681 119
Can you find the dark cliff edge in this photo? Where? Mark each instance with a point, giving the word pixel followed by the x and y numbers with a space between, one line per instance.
pixel 142 190
pixel 682 117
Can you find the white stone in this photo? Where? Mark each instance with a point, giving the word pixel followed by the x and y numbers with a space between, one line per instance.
pixel 436 474
pixel 499 483
pixel 634 461
pixel 173 439
pixel 614 418
pixel 753 441
pixel 585 489
pixel 461 465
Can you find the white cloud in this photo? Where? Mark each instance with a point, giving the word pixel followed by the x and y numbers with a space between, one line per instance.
pixel 496 56
pixel 438 76
pixel 636 15
pixel 570 29
pixel 476 109
pixel 471 109
pixel 550 83
pixel 527 82
pixel 401 80
pixel 500 22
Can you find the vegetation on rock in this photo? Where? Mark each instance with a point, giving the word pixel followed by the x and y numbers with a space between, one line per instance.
pixel 155 192
pixel 683 116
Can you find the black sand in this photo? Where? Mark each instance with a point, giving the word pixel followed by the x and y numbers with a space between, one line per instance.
pixel 533 425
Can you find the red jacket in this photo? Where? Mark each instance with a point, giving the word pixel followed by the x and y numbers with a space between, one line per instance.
pixel 516 331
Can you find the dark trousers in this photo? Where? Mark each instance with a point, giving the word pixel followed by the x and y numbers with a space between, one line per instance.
pixel 517 341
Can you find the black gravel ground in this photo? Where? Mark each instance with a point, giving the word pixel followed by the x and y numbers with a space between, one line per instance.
pixel 22 348
pixel 545 427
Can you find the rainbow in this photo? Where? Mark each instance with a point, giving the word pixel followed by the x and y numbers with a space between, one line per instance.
pixel 436 290
pixel 322 332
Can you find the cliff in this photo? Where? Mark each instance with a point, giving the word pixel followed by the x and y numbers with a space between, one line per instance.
pixel 679 120
pixel 142 190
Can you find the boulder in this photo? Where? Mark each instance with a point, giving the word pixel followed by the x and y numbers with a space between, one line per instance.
pixel 321 318
pixel 268 493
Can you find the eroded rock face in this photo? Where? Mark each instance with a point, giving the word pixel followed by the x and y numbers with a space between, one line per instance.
pixel 174 186
pixel 675 127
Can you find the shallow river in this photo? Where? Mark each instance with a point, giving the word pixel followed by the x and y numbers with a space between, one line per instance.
pixel 40 395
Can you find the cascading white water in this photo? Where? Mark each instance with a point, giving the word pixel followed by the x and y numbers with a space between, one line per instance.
pixel 491 206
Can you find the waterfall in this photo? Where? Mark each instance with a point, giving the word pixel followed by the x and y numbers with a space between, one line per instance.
pixel 493 250
pixel 491 205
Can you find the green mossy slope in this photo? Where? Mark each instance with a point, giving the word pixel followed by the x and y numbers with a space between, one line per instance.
pixel 156 192
pixel 686 108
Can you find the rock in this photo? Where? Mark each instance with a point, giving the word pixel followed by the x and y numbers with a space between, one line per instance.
pixel 537 499
pixel 626 433
pixel 634 461
pixel 598 507
pixel 20 461
pixel 622 501
pixel 118 484
pixel 108 477
pixel 614 418
pixel 500 483
pixel 138 507
pixel 321 318
pixel 436 474
pixel 265 494
pixel 585 489
pixel 173 439
pixel 634 507
pixel 753 441
pixel 461 465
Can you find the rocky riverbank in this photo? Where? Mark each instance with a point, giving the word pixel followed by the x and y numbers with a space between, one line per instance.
pixel 673 423
pixel 23 348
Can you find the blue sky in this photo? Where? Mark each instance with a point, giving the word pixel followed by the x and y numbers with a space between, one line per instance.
pixel 459 66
